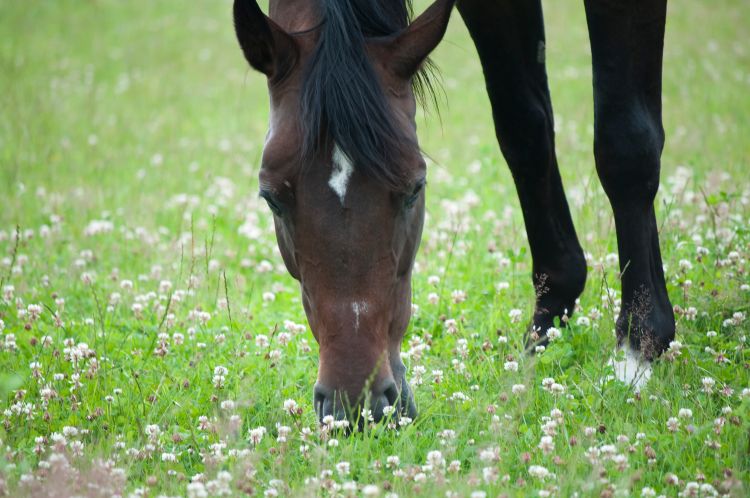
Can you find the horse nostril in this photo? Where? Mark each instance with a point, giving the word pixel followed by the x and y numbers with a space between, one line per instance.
pixel 322 401
pixel 388 397
pixel 391 394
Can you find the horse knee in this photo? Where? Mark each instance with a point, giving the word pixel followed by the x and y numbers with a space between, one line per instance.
pixel 526 138
pixel 627 150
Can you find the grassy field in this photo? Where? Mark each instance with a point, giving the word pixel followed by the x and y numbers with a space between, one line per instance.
pixel 151 338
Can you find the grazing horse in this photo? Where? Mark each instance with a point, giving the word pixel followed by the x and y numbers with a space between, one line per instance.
pixel 343 174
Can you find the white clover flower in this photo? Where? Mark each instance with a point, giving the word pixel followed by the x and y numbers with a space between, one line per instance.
pixel 367 415
pixel 547 445
pixel 436 459
pixel 490 454
pixel 557 388
pixel 685 265
pixel 370 490
pixel 549 428
pixel 153 431
pixel 256 435
pixel 404 421
pixel 269 297
pixel 553 333
pixel 539 472
pixel 437 376
pixel 34 311
pixel 458 296
pixel 283 432
pixel 165 286
pixel 196 489
pixel 343 468
pixel 671 479
pixel 76 447
pixel 511 366
pixel 284 338
pixel 290 406
pixel 685 413
pixel 451 326
pixel 264 266
pixel 673 424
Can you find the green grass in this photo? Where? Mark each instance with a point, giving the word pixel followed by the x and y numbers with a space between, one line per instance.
pixel 144 115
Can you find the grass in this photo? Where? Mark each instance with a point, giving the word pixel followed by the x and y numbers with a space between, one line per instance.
pixel 129 146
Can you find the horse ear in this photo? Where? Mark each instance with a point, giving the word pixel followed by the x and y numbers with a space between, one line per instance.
pixel 412 45
pixel 267 47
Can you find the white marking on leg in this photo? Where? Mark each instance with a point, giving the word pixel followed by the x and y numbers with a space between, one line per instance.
pixel 633 370
pixel 358 307
pixel 341 172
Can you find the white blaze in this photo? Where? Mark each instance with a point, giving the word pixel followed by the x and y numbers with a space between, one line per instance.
pixel 358 307
pixel 633 369
pixel 340 173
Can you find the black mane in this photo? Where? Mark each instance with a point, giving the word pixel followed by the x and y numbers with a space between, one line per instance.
pixel 341 99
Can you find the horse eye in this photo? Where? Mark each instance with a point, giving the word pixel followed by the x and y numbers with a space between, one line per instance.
pixel 273 202
pixel 412 198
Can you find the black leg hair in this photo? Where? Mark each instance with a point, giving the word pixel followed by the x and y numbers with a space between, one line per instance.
pixel 627 38
pixel 509 37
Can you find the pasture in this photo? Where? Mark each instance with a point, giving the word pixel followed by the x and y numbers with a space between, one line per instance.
pixel 153 343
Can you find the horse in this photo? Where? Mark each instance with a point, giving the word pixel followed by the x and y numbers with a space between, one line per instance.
pixel 344 177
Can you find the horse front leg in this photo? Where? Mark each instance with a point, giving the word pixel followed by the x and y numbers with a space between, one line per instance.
pixel 509 37
pixel 627 38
